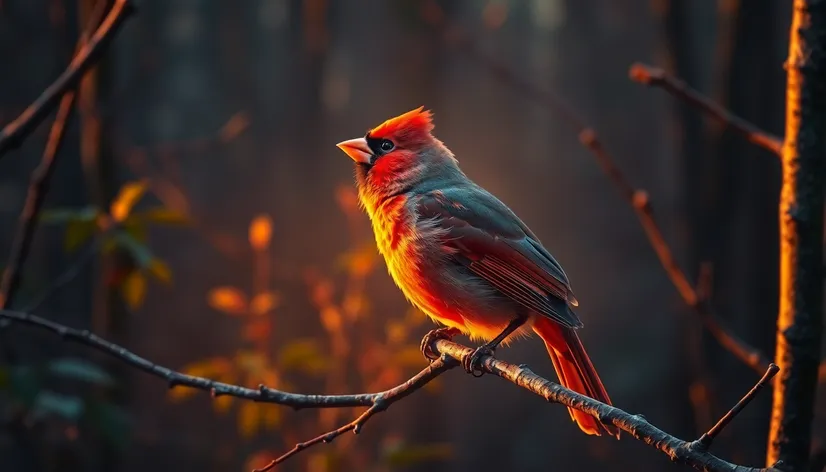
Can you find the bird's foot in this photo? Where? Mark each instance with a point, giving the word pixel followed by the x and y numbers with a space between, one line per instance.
pixel 473 362
pixel 431 337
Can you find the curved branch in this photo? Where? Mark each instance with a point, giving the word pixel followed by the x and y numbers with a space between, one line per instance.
pixel 656 77
pixel 693 453
pixel 15 132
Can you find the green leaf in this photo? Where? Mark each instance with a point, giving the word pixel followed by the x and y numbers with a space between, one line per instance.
pixel 139 251
pixel 50 403
pixel 80 369
pixel 77 233
pixel 25 383
pixel 303 355
pixel 64 215
pixel 111 420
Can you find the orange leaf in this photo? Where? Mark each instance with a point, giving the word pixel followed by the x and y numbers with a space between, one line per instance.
pixel 272 415
pixel 331 318
pixel 234 126
pixel 258 330
pixel 347 199
pixel 265 302
pixel 260 232
pixel 230 300
pixel 249 419
pixel 222 403
pixel 128 196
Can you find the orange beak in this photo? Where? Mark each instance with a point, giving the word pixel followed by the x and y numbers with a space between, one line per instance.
pixel 357 149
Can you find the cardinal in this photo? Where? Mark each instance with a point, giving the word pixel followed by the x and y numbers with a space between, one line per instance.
pixel 463 257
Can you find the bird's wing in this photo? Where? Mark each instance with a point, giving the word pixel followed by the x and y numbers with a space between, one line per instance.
pixel 490 240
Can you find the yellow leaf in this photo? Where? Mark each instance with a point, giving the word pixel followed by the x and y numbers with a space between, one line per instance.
pixel 133 289
pixel 260 232
pixel 409 356
pixel 355 304
pixel 272 415
pixel 221 404
pixel 414 317
pixel 230 300
pixel 396 331
pixel 128 196
pixel 265 302
pixel 330 318
pixel 160 270
pixel 248 419
pixel 252 362
pixel 360 261
pixel 77 232
pixel 303 355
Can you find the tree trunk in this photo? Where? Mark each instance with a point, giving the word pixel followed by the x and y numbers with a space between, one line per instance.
pixel 799 321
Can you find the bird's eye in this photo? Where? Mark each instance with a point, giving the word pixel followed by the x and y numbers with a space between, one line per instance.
pixel 386 145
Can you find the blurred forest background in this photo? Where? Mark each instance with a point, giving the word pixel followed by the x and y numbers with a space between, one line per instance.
pixel 209 130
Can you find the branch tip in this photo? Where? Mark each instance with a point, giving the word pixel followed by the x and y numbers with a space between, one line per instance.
pixel 708 437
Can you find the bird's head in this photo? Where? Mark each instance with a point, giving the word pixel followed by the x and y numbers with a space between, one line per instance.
pixel 399 155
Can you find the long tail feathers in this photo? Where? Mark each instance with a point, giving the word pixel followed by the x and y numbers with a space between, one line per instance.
pixel 575 371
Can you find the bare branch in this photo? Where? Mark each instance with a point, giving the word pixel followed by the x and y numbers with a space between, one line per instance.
pixel 692 453
pixel 39 182
pixel 709 436
pixel 637 198
pixel 800 309
pixel 381 403
pixel 15 132
pixel 656 77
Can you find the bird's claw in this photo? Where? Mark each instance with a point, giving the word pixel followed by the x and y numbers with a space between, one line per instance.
pixel 473 363
pixel 431 337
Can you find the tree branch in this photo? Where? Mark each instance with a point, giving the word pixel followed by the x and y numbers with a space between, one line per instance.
pixel 39 182
pixel 694 453
pixel 637 198
pixel 15 132
pixel 656 77
pixel 800 314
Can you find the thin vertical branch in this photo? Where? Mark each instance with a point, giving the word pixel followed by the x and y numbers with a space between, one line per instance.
pixel 799 321
pixel 39 183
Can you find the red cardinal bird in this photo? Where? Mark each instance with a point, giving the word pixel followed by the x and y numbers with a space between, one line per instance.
pixel 464 258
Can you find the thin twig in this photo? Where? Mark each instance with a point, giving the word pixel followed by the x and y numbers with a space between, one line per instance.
pixel 709 436
pixel 689 453
pixel 656 77
pixel 40 179
pixel 380 404
pixel 637 198
pixel 66 276
pixel 15 132
pixel 174 379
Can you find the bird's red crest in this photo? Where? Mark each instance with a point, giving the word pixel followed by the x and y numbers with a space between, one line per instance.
pixel 411 125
